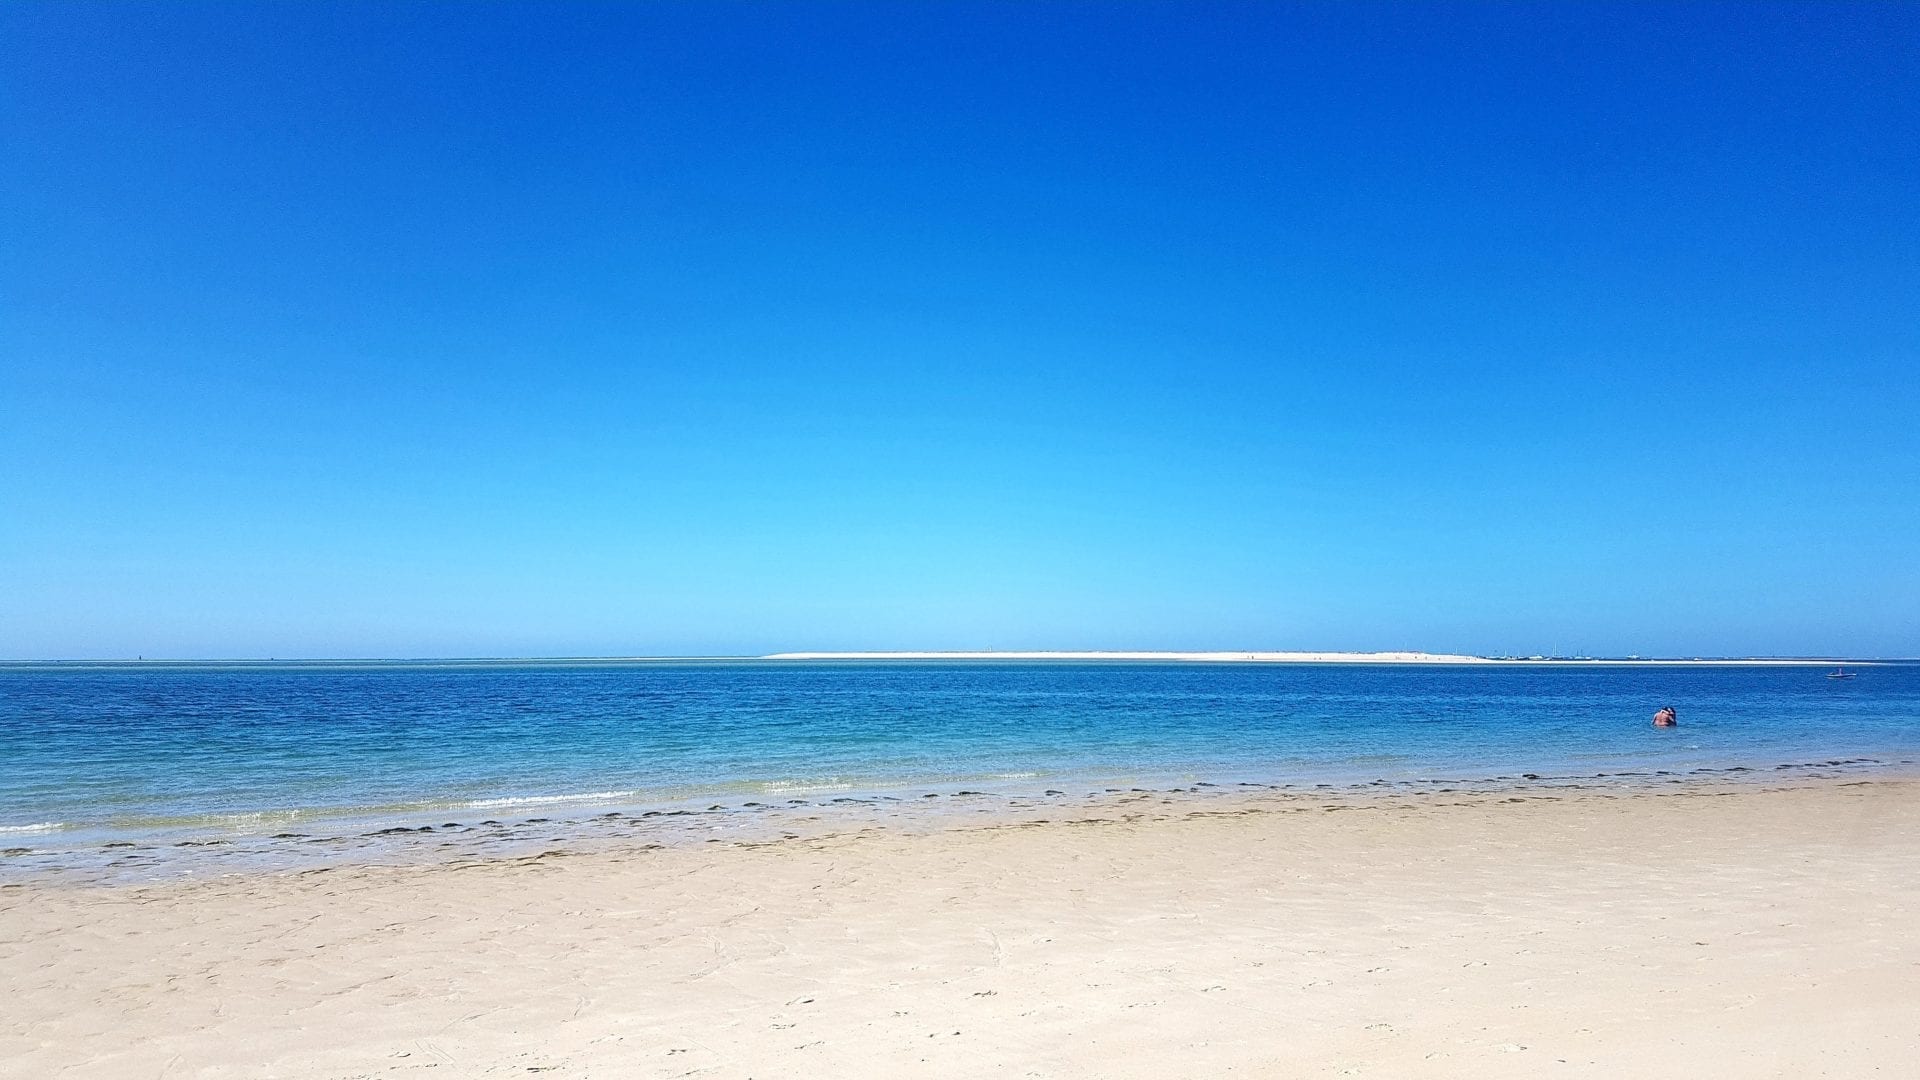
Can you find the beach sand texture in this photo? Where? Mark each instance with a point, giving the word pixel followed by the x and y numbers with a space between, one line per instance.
pixel 1704 932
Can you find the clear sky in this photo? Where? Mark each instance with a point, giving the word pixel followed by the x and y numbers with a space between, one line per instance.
pixel 490 329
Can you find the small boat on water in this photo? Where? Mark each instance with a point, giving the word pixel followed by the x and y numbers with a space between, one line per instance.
pixel 1839 673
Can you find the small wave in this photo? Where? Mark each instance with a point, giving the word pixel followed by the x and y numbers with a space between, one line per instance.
pixel 241 820
pixel 1015 775
pixel 800 788
pixel 546 800
pixel 38 827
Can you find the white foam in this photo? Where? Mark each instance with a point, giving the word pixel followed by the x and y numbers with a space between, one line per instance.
pixel 802 789
pixel 38 827
pixel 548 800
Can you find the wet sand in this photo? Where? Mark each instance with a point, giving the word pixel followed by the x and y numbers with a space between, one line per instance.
pixel 1733 931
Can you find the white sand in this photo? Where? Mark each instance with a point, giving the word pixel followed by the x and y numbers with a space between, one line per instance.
pixel 1279 658
pixel 1162 656
pixel 1751 934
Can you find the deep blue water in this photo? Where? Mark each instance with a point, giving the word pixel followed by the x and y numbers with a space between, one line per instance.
pixel 97 751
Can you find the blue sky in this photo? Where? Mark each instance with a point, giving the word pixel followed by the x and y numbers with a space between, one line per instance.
pixel 410 330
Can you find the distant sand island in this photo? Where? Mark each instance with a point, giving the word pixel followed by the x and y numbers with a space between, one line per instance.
pixel 1292 657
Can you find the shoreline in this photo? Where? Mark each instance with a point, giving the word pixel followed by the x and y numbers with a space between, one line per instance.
pixel 274 764
pixel 425 837
pixel 1738 930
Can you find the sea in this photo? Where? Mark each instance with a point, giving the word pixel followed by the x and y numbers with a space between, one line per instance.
pixel 157 769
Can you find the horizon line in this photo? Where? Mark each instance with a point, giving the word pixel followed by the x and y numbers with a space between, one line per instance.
pixel 1380 657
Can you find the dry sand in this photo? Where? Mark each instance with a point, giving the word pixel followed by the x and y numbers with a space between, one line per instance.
pixel 1742 933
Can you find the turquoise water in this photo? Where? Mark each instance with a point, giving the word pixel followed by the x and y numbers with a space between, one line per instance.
pixel 97 754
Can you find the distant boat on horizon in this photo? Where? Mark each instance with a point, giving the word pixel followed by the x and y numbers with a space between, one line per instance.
pixel 1839 673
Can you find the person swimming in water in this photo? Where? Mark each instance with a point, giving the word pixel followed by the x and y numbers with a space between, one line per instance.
pixel 1666 717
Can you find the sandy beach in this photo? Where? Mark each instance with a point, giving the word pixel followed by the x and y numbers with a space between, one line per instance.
pixel 1696 931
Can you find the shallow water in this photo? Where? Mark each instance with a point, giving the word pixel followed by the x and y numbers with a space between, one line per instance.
pixel 97 755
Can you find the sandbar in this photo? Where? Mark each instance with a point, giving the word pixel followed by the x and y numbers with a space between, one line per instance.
pixel 1256 657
